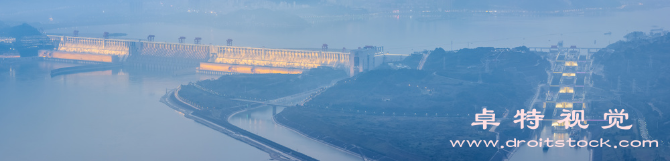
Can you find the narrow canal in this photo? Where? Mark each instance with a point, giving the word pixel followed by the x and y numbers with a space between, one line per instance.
pixel 260 122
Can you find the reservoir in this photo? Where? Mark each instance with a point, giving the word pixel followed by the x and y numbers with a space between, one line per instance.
pixel 116 114
pixel 106 115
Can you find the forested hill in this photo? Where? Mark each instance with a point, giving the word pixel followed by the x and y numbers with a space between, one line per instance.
pixel 450 82
pixel 410 114
pixel 28 40
pixel 638 70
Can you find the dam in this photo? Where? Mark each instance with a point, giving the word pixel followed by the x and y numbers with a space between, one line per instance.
pixel 208 59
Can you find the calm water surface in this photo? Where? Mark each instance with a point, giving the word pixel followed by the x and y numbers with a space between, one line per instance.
pixel 260 122
pixel 102 116
pixel 404 35
pixel 115 115
pixel 566 153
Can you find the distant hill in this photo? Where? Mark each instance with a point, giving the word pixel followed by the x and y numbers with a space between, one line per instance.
pixel 410 114
pixel 637 69
pixel 450 82
pixel 19 31
pixel 28 39
pixel 534 5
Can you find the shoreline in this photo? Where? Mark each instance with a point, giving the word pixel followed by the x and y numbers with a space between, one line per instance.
pixel 272 151
pixel 317 90
pixel 343 149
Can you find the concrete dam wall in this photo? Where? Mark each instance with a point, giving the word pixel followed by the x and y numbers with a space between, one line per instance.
pixel 147 53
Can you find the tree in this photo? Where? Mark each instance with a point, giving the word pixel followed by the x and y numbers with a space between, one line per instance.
pixel 637 35
pixel 521 49
pixel 28 39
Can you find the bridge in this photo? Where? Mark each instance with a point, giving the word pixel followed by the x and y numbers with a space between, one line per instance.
pixel 207 58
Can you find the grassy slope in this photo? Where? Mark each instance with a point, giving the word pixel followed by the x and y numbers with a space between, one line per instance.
pixel 449 84
pixel 628 63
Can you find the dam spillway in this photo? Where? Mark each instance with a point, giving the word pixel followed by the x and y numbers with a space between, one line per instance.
pixel 208 57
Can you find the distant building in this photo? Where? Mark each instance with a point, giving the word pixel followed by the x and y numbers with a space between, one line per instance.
pixel 368 58
pixel 363 59
pixel 28 46
pixel 6 47
pixel 657 32
pixel 7 40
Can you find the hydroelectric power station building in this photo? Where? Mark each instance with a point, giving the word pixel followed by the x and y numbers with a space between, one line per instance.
pixel 212 59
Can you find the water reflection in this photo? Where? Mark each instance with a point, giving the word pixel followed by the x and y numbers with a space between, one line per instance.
pixel 102 116
pixel 259 121
pixel 525 152
pixel 406 35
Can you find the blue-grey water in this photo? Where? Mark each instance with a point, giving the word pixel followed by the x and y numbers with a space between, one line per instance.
pixel 404 35
pixel 260 122
pixel 102 116
pixel 115 115
pixel 552 154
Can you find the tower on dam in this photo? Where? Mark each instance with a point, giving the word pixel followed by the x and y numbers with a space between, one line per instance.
pixel 364 59
pixel 210 58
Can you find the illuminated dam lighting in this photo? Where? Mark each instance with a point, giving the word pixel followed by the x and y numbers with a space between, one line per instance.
pixel 567 90
pixel 210 57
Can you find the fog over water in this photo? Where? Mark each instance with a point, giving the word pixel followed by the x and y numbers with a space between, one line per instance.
pixel 102 116
pixel 116 114
pixel 404 35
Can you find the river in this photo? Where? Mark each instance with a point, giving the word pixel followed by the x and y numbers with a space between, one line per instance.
pixel 260 122
pixel 404 35
pixel 107 115
pixel 116 115
pixel 552 154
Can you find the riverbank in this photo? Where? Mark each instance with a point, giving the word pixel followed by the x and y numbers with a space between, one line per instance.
pixel 87 116
pixel 349 150
pixel 276 151
pixel 19 59
pixel 308 95
pixel 410 114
